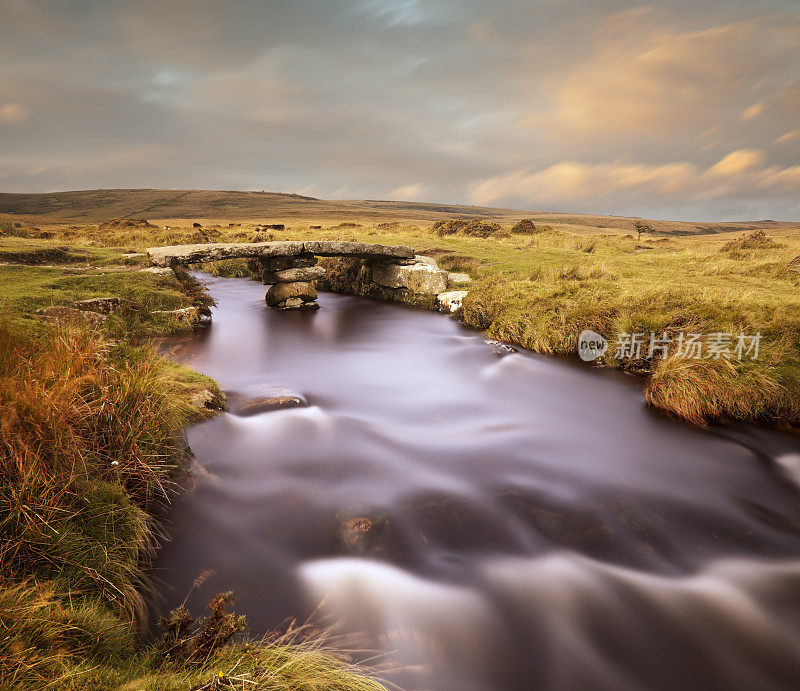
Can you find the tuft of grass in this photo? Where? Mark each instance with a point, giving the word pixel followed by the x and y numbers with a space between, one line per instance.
pixel 230 268
pixel 703 390
pixel 525 227
pixel 756 240
pixel 89 435
pixel 45 255
pixel 471 227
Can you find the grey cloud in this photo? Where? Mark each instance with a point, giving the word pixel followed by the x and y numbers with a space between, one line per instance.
pixel 365 97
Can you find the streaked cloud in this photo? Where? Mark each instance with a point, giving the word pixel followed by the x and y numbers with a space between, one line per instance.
pixel 740 173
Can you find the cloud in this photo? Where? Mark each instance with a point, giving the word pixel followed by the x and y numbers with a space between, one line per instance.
pixel 788 137
pixel 13 113
pixel 741 173
pixel 738 162
pixel 652 76
pixel 412 192
pixel 69 169
pixel 753 111
pixel 600 106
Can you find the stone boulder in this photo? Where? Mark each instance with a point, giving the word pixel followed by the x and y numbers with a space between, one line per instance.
pixel 282 292
pixel 185 315
pixel 101 305
pixel 451 301
pixel 158 271
pixel 422 259
pixel 264 404
pixel 455 279
pixel 419 277
pixel 71 315
pixel 302 274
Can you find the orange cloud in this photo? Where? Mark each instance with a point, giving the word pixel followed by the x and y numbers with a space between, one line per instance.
pixel 738 162
pixel 738 173
pixel 650 77
pixel 413 192
pixel 13 113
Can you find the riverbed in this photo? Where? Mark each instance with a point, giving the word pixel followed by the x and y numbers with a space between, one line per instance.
pixel 493 520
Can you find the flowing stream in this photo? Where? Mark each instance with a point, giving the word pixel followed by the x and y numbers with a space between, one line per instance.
pixel 499 522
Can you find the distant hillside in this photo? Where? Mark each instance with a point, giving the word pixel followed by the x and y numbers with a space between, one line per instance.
pixel 96 206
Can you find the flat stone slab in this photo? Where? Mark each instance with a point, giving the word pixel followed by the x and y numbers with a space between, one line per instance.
pixel 458 278
pixel 419 278
pixel 195 254
pixel 364 250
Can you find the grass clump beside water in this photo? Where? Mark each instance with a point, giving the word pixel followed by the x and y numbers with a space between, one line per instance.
pixel 89 437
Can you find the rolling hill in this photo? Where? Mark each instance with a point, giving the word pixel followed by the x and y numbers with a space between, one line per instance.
pixel 96 206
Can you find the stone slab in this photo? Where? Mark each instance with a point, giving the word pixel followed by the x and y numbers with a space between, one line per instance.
pixel 418 278
pixel 216 251
pixel 364 250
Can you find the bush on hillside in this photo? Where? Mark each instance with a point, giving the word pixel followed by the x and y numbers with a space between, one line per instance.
pixel 756 240
pixel 525 227
pixel 471 227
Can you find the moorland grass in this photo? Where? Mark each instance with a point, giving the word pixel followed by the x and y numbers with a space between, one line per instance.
pixel 540 287
pixel 91 447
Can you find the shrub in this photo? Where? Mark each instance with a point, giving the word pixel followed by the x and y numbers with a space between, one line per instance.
pixel 525 227
pixel 472 227
pixel 756 240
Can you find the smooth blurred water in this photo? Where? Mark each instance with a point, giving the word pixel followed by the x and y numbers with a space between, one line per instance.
pixel 499 522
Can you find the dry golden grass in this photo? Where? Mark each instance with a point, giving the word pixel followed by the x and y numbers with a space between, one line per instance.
pixel 540 289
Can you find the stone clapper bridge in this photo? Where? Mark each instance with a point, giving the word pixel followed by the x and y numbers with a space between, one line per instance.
pixel 291 267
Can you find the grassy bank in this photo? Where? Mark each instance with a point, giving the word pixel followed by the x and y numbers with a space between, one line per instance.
pixel 91 417
pixel 540 288
pixel 91 448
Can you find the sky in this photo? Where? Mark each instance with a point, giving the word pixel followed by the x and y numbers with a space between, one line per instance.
pixel 679 109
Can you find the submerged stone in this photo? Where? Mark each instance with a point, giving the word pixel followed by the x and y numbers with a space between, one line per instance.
pixel 265 404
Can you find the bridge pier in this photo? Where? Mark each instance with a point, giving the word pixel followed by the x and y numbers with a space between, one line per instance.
pixel 291 280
